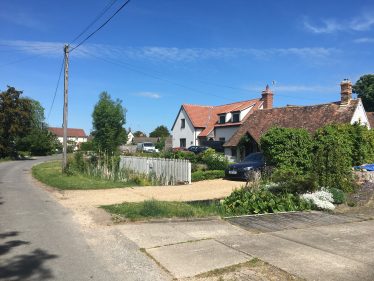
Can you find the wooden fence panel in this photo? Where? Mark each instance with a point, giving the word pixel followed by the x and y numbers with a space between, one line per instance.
pixel 167 171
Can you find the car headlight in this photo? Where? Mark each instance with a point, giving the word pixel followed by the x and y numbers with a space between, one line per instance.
pixel 247 168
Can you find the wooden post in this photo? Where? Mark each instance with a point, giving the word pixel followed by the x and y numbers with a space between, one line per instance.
pixel 65 117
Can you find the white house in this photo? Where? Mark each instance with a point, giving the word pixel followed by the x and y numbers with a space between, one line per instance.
pixel 312 117
pixel 195 124
pixel 76 135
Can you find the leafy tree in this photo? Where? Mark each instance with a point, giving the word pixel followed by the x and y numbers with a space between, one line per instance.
pixel 108 121
pixel 364 88
pixel 15 120
pixel 39 142
pixel 289 148
pixel 139 134
pixel 160 131
pixel 332 162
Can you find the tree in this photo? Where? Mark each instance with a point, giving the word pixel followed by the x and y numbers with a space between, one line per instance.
pixel 364 88
pixel 139 134
pixel 160 131
pixel 108 119
pixel 15 120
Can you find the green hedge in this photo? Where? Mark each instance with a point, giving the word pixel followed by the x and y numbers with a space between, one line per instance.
pixel 207 175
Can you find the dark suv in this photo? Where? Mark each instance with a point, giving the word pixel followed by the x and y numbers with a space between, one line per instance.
pixel 197 149
pixel 253 161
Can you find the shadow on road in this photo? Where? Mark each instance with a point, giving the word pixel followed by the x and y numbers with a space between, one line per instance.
pixel 25 266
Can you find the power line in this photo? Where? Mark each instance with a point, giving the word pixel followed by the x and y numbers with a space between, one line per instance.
pixel 101 26
pixel 58 82
pixel 106 8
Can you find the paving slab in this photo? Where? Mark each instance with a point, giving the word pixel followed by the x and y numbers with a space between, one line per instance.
pixel 355 243
pixel 300 259
pixel 149 235
pixel 192 258
pixel 294 220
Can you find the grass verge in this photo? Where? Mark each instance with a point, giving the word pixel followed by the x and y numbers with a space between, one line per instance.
pixel 153 209
pixel 50 174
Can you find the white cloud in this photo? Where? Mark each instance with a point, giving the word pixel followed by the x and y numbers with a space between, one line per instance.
pixel 328 26
pixel 295 88
pixel 163 53
pixel 150 95
pixel 364 40
pixel 362 22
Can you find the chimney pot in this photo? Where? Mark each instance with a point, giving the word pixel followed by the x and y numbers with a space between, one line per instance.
pixel 345 91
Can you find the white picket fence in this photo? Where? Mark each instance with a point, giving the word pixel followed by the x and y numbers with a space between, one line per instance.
pixel 167 171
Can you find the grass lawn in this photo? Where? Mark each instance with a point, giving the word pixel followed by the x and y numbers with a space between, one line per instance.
pixel 151 209
pixel 50 174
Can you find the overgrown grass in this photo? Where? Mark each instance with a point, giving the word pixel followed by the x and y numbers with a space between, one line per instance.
pixel 152 209
pixel 50 174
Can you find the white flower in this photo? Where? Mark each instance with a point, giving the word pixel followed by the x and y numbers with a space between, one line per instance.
pixel 322 199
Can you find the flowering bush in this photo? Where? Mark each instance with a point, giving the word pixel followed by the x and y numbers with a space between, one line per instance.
pixel 322 199
pixel 214 160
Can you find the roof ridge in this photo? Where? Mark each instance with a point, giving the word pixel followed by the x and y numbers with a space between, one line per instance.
pixel 257 99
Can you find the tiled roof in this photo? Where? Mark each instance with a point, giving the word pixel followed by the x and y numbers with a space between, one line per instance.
pixel 370 116
pixel 207 116
pixel 308 117
pixel 71 132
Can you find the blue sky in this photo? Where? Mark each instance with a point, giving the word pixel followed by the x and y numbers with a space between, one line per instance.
pixel 156 55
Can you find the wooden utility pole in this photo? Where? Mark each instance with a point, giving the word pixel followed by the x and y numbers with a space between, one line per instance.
pixel 65 121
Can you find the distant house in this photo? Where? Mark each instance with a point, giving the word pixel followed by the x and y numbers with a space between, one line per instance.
pixel 73 135
pixel 312 117
pixel 130 138
pixel 196 124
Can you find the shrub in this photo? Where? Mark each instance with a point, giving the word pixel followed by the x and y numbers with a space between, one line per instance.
pixel 207 175
pixel 332 163
pixel 214 160
pixel 257 201
pixel 338 195
pixel 291 181
pixel 288 148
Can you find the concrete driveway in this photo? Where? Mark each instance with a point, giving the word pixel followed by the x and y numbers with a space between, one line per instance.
pixel 310 249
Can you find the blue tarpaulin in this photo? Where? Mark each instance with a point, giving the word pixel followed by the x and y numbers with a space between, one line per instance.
pixel 367 167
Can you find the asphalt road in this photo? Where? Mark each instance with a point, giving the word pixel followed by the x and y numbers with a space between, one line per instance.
pixel 39 239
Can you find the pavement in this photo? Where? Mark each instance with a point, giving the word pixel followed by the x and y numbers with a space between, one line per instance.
pixel 312 245
pixel 42 240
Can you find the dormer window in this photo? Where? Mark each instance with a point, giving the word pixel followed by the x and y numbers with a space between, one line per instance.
pixel 236 117
pixel 222 119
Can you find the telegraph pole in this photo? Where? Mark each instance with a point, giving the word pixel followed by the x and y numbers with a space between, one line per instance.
pixel 65 118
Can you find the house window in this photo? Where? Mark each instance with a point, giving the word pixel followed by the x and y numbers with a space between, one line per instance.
pixel 236 117
pixel 222 139
pixel 222 119
pixel 183 123
pixel 233 152
pixel 182 142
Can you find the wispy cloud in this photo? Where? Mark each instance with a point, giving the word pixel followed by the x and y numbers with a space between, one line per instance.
pixel 295 88
pixel 150 95
pixel 167 54
pixel 21 19
pixel 364 40
pixel 362 22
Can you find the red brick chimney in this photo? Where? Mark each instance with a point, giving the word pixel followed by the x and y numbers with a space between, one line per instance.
pixel 267 98
pixel 345 92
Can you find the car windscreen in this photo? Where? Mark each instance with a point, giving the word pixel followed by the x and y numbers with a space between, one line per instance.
pixel 148 144
pixel 255 157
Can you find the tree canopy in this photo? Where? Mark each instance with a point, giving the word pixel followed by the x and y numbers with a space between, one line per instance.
pixel 15 120
pixel 160 131
pixel 364 88
pixel 139 134
pixel 108 119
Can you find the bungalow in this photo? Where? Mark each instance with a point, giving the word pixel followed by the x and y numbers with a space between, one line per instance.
pixel 345 111
pixel 75 135
pixel 196 124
